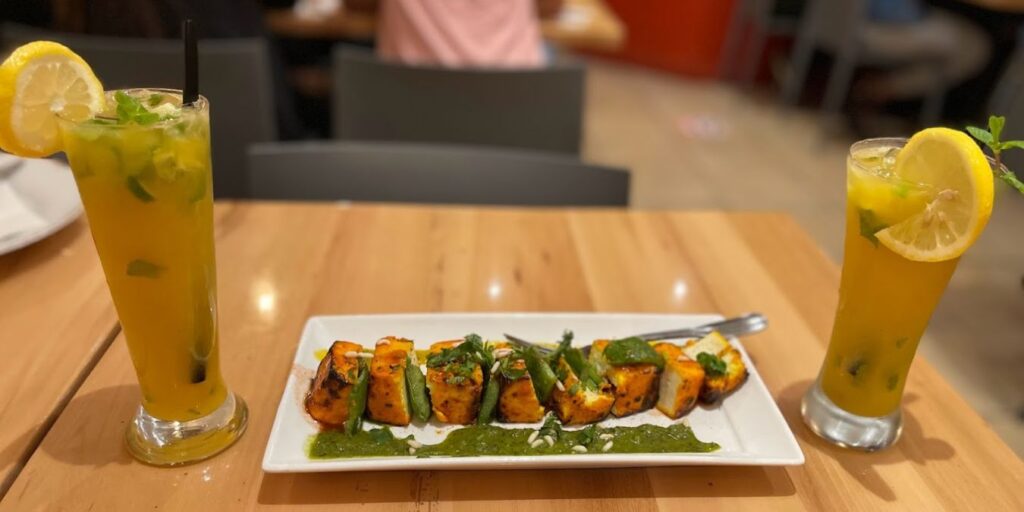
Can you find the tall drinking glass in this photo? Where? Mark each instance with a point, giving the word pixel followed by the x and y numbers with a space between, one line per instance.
pixel 885 302
pixel 147 191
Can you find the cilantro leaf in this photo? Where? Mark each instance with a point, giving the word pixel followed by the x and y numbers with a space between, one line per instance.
pixel 508 368
pixel 460 362
pixel 551 427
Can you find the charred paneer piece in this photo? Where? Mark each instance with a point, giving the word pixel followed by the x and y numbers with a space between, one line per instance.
pixel 518 401
pixel 724 370
pixel 577 402
pixel 681 381
pixel 636 385
pixel 455 385
pixel 328 398
pixel 388 400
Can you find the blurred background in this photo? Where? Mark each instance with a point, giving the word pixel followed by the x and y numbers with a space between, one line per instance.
pixel 727 104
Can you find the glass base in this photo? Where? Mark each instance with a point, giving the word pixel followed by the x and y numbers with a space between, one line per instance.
pixel 171 443
pixel 846 429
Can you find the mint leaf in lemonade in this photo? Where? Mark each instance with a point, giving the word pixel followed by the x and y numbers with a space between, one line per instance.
pixel 155 150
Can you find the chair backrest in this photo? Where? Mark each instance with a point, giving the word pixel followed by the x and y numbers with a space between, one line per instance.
pixel 234 75
pixel 395 172
pixel 539 109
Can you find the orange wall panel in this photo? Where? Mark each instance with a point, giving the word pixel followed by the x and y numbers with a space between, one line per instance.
pixel 682 36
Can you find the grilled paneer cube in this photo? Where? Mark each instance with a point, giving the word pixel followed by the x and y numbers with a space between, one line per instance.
pixel 681 381
pixel 636 385
pixel 722 381
pixel 579 404
pixel 455 388
pixel 716 387
pixel 518 402
pixel 388 400
pixel 328 397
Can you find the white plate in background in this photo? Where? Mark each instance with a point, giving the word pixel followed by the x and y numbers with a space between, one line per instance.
pixel 747 424
pixel 38 197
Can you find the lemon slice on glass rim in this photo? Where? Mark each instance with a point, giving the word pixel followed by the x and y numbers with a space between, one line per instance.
pixel 39 82
pixel 955 169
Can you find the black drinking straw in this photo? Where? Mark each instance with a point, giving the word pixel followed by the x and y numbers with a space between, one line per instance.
pixel 191 92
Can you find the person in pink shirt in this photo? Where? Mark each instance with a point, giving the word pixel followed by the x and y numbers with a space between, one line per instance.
pixel 460 33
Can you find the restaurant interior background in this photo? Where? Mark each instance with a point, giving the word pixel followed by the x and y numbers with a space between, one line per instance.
pixel 722 104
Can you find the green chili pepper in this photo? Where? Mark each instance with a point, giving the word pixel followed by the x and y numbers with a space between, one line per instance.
pixel 566 341
pixel 357 399
pixel 416 385
pixel 489 401
pixel 588 375
pixel 541 374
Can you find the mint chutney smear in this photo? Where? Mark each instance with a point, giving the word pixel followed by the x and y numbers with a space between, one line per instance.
pixel 378 442
pixel 476 440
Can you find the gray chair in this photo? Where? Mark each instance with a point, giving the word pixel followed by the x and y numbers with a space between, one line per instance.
pixel 844 28
pixel 385 171
pixel 758 19
pixel 234 75
pixel 540 109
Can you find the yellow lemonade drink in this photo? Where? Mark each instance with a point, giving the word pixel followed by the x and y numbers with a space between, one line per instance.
pixel 912 208
pixel 885 300
pixel 147 191
pixel 141 160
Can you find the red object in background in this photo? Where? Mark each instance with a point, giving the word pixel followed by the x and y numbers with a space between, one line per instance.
pixel 682 36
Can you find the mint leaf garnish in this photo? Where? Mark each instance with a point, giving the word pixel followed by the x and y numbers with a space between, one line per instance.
pixel 131 110
pixel 137 189
pixel 127 107
pixel 990 138
pixel 155 99
pixel 870 224
pixel 980 134
pixel 712 364
pixel 145 118
pixel 143 268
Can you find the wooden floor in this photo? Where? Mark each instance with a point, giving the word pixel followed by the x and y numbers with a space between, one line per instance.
pixel 705 144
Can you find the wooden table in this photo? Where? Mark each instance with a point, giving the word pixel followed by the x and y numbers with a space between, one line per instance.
pixel 280 263
pixel 586 24
pixel 56 320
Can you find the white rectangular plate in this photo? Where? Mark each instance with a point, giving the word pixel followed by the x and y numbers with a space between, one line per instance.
pixel 747 424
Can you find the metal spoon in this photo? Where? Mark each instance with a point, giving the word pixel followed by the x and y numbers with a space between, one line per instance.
pixel 749 323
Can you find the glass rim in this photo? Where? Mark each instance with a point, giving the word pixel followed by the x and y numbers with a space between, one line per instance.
pixel 899 142
pixel 201 105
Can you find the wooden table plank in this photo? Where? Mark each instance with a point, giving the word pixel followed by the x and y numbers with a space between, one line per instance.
pixel 582 24
pixel 317 259
pixel 56 320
